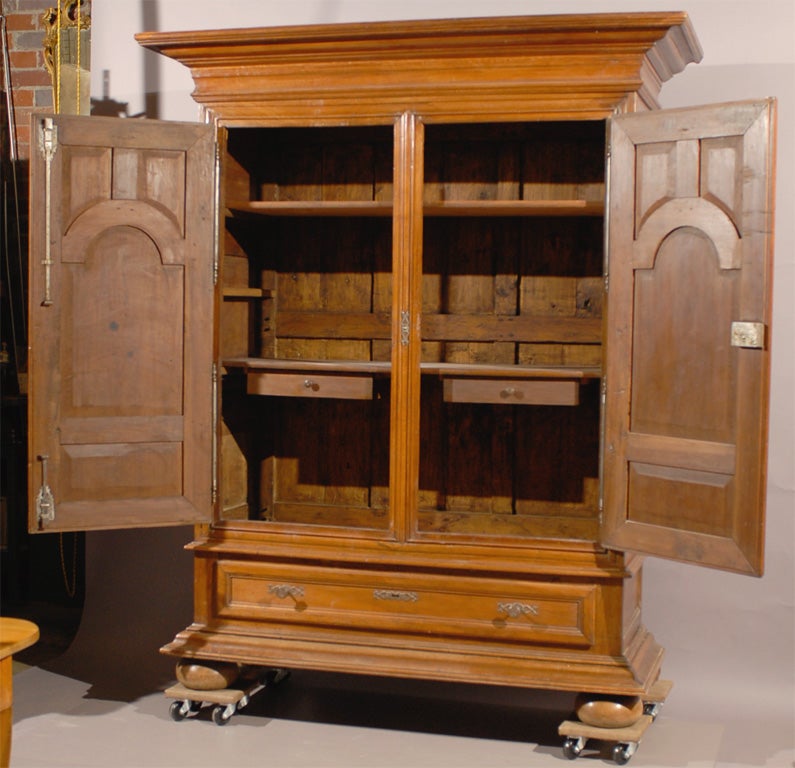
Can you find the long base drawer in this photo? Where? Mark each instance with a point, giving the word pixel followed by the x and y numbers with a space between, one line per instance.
pixel 440 605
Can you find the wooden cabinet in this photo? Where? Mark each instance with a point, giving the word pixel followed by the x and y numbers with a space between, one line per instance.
pixel 432 328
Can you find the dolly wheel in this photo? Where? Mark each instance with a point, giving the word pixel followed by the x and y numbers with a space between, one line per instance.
pixel 622 753
pixel 220 716
pixel 572 748
pixel 179 710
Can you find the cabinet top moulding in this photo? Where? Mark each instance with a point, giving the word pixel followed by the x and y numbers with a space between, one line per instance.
pixel 504 68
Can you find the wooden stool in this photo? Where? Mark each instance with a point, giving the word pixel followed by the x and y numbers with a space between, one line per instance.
pixel 15 635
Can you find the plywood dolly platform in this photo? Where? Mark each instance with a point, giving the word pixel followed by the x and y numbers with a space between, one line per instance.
pixel 188 701
pixel 626 739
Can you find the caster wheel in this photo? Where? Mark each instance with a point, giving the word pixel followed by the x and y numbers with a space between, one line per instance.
pixel 572 748
pixel 220 717
pixel 276 676
pixel 621 754
pixel 179 710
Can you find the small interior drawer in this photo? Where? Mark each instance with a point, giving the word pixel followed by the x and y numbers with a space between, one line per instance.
pixel 310 385
pixel 512 391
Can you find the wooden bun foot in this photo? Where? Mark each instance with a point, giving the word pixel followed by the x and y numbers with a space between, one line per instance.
pixel 609 711
pixel 207 675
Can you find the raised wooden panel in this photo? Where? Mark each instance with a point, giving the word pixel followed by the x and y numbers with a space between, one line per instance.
pixel 721 178
pixel 686 409
pixel 674 334
pixel 676 498
pixel 97 472
pixel 121 353
pixel 124 338
pixel 86 174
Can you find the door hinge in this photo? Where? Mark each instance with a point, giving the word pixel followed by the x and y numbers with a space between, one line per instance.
pixel 45 501
pixel 214 445
pixel 48 138
pixel 602 431
pixel 216 211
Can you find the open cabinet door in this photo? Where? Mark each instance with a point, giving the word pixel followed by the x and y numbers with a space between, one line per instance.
pixel 690 244
pixel 121 323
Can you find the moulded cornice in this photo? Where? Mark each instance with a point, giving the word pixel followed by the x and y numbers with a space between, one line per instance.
pixel 573 66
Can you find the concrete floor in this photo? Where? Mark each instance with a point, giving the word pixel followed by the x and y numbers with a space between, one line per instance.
pixel 316 720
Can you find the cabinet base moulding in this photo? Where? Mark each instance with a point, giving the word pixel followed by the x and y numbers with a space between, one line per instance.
pixel 630 674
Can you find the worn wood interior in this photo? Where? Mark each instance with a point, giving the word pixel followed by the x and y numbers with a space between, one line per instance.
pixel 511 327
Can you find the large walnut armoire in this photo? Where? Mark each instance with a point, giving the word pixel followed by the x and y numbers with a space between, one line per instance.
pixel 433 329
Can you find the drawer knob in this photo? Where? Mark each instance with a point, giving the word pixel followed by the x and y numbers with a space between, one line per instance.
pixel 286 590
pixel 511 392
pixel 394 594
pixel 515 610
pixel 313 385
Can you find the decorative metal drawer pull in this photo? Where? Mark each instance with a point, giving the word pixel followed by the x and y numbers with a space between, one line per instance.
pixel 394 594
pixel 286 590
pixel 515 610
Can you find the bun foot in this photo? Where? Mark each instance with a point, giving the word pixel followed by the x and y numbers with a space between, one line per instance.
pixel 609 711
pixel 206 675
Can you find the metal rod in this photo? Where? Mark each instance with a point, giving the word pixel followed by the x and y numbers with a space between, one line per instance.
pixel 12 133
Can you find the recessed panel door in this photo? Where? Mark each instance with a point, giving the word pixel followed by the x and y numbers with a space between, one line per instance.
pixel 690 234
pixel 121 298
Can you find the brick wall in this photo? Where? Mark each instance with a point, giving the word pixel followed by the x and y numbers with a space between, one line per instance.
pixel 31 87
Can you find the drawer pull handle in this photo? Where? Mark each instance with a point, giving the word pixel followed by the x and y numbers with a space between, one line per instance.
pixel 511 392
pixel 394 594
pixel 515 610
pixel 286 590
pixel 313 385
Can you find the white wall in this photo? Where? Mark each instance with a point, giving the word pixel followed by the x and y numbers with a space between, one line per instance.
pixel 716 627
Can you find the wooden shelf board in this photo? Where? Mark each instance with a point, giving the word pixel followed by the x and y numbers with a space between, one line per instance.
pixel 247 293
pixel 369 367
pixel 485 208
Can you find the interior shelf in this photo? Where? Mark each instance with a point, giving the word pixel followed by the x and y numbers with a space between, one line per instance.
pixel 370 367
pixel 485 208
pixel 247 293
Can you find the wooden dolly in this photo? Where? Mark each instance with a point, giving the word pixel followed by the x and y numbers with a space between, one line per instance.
pixel 627 739
pixel 227 701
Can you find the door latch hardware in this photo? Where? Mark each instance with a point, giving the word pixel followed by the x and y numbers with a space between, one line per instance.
pixel 45 502
pixel 48 144
pixel 405 328
pixel 748 335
